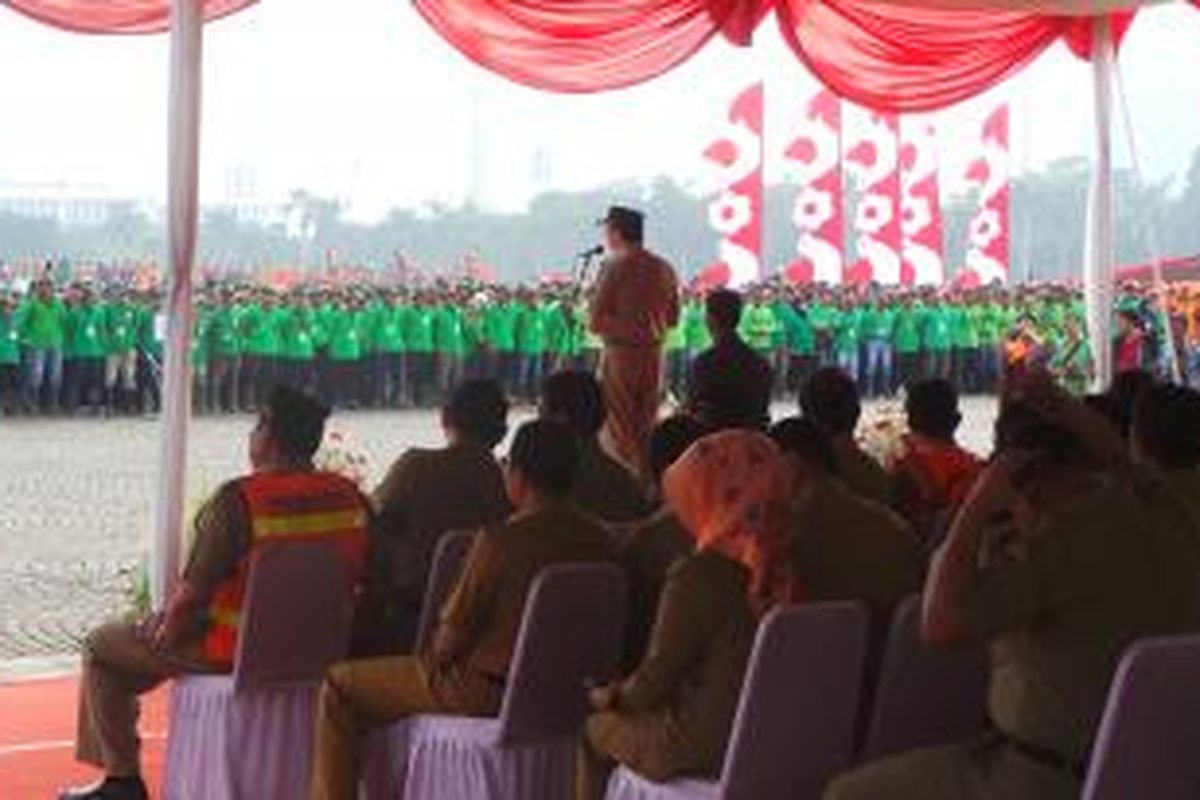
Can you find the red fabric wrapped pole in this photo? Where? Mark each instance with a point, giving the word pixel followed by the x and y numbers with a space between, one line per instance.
pixel 115 16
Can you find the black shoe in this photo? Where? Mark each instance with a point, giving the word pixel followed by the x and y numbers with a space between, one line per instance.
pixel 109 789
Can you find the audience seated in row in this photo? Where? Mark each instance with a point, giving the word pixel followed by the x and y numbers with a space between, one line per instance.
pixel 830 400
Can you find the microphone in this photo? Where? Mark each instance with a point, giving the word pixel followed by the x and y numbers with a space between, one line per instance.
pixel 592 252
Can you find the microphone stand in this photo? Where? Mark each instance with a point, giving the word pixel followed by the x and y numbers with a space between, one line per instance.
pixel 580 275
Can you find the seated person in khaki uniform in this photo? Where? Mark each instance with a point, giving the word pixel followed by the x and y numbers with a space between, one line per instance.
pixel 428 493
pixel 603 487
pixel 830 399
pixel 123 661
pixel 649 549
pixel 1059 560
pixel 673 715
pixel 843 546
pixel 468 664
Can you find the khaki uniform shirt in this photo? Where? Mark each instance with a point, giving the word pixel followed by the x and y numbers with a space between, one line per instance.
pixel 604 488
pixel 488 602
pixel 636 300
pixel 861 473
pixel 1117 564
pixel 649 552
pixel 428 493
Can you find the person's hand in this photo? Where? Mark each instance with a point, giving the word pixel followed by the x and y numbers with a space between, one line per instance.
pixel 149 628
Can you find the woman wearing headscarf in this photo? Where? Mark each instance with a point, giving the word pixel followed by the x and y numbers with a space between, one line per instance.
pixel 672 716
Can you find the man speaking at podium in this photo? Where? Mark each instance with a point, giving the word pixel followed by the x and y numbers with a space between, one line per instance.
pixel 636 302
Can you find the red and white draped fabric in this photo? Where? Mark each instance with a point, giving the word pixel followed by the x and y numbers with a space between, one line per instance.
pixel 989 233
pixel 920 204
pixel 874 161
pixel 115 16
pixel 812 159
pixel 735 165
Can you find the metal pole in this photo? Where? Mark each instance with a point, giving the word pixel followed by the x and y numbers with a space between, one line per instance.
pixel 183 158
pixel 1098 262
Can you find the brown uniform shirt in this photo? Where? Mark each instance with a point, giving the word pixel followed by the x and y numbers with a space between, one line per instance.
pixel 862 474
pixel 636 300
pixel 488 602
pixel 648 553
pixel 428 493
pixel 604 488
pixel 1117 564
pixel 849 548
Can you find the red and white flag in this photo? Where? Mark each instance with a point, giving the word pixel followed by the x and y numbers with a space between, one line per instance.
pixel 812 159
pixel 989 232
pixel 874 160
pixel 920 205
pixel 735 161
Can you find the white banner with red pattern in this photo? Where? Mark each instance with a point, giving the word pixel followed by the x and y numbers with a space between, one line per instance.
pixel 812 159
pixel 990 231
pixel 735 165
pixel 920 205
pixel 874 163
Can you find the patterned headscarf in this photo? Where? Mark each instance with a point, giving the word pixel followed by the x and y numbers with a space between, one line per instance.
pixel 730 491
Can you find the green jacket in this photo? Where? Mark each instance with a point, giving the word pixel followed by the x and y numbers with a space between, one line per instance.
pixel 448 335
pixel 44 324
pixel 87 334
pixel 10 338
pixel 121 321
pixel 531 331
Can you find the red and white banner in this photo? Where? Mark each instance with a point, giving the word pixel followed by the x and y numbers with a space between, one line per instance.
pixel 989 232
pixel 813 160
pixel 874 161
pixel 735 159
pixel 920 205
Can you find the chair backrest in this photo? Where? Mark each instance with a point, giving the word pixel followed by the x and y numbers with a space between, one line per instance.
pixel 794 728
pixel 1147 745
pixel 571 633
pixel 925 696
pixel 296 617
pixel 448 558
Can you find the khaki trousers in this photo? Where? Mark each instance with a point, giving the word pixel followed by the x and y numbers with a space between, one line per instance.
pixel 360 695
pixel 118 667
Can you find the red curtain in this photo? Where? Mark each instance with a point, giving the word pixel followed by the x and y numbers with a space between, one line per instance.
pixel 910 58
pixel 115 16
pixel 587 45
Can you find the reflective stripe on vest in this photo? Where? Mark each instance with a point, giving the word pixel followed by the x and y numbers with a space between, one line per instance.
pixel 287 505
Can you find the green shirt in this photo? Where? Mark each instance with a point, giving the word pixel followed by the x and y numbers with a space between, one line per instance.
pixel 448 336
pixel 798 336
pixel 758 327
pixel 345 335
pixel 963 334
pixel 531 332
pixel 418 329
pixel 297 334
pixel 43 324
pixel 121 321
pixel 500 326
pixel 389 330
pixel 87 336
pixel 148 339
pixel 695 327
pixel 878 323
pixel 907 332
pixel 223 336
pixel 847 328
pixel 936 332
pixel 10 338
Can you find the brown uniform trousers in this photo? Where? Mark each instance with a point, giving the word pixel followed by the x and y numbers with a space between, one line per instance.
pixel 485 608
pixel 1116 564
pixel 673 715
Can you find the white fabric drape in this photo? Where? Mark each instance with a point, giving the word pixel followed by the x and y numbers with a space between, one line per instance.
pixel 1098 261
pixel 183 159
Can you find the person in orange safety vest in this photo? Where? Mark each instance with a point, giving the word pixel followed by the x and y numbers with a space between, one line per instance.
pixel 283 499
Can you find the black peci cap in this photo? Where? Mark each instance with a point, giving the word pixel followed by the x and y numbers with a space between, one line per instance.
pixel 630 222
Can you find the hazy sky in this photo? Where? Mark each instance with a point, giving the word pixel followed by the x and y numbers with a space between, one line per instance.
pixel 361 100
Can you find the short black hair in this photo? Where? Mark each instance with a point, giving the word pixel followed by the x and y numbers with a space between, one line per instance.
pixel 830 399
pixel 575 398
pixel 1022 426
pixel 803 439
pixel 670 439
pixel 1166 425
pixel 724 307
pixel 932 408
pixel 546 454
pixel 294 420
pixel 478 409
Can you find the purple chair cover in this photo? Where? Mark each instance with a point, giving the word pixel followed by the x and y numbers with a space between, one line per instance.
pixel 794 728
pixel 1148 746
pixel 926 696
pixel 448 558
pixel 571 633
pixel 249 734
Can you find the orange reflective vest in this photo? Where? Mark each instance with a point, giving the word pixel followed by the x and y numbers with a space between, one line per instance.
pixel 288 507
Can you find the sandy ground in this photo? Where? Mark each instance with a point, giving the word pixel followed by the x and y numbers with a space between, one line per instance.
pixel 77 508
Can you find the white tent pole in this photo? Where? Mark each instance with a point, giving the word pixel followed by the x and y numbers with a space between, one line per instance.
pixel 1099 257
pixel 183 158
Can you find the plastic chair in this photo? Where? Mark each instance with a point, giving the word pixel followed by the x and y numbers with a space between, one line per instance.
pixel 794 728
pixel 571 633
pixel 448 558
pixel 249 734
pixel 926 696
pixel 1147 744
